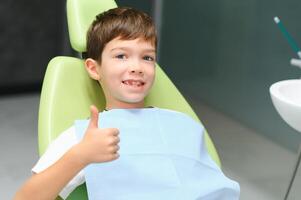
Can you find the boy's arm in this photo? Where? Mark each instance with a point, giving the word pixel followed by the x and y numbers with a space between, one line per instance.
pixel 97 145
pixel 48 183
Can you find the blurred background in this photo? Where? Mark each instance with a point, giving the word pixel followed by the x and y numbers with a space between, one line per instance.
pixel 222 55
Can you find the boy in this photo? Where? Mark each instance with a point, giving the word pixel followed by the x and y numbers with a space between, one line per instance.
pixel 121 51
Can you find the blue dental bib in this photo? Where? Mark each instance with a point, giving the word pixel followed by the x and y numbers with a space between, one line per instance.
pixel 162 156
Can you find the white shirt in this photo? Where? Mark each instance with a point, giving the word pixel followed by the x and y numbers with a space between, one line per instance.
pixel 54 152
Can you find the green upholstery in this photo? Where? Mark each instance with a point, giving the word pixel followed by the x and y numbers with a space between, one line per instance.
pixel 68 92
pixel 80 14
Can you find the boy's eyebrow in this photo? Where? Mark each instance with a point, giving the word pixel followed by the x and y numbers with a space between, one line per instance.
pixel 126 49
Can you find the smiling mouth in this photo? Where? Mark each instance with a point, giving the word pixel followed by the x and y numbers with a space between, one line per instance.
pixel 136 83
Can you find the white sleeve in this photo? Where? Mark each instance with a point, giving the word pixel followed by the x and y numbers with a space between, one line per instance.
pixel 54 152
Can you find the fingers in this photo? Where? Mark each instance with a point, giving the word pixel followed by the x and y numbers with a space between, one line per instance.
pixel 112 154
pixel 94 117
pixel 113 157
pixel 116 141
pixel 114 149
pixel 114 146
pixel 114 131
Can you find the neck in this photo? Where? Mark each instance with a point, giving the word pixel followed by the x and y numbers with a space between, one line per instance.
pixel 124 105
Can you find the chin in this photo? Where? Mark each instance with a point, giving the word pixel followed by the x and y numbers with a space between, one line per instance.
pixel 133 99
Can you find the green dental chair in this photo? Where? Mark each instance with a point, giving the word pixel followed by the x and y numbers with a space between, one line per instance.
pixel 68 92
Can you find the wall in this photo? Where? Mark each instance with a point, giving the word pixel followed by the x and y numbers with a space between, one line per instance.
pixel 31 34
pixel 228 53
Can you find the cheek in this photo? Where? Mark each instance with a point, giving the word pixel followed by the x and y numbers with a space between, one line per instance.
pixel 151 73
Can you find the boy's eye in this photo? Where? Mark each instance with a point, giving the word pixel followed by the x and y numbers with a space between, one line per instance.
pixel 148 58
pixel 121 56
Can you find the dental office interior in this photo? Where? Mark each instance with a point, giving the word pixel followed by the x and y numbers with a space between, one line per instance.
pixel 223 56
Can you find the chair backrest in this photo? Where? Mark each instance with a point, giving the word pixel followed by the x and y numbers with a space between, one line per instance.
pixel 80 14
pixel 68 92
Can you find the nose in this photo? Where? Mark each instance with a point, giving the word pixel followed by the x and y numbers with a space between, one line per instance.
pixel 136 72
pixel 136 68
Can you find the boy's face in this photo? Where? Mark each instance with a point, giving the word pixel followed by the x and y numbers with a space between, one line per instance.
pixel 127 72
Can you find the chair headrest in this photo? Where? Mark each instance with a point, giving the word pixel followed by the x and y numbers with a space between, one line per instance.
pixel 80 14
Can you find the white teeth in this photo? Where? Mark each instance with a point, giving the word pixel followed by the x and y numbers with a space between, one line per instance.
pixel 132 82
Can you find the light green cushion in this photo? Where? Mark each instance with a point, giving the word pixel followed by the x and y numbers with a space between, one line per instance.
pixel 80 14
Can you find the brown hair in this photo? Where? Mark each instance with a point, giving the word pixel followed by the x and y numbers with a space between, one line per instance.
pixel 126 23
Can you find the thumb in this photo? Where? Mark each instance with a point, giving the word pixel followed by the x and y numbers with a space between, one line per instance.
pixel 94 117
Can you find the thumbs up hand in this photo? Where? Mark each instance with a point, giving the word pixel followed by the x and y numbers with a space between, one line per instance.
pixel 98 145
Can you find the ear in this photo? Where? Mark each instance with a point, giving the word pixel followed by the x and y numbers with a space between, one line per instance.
pixel 92 68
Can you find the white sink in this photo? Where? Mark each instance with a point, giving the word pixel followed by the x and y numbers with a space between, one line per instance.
pixel 286 97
